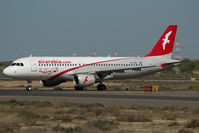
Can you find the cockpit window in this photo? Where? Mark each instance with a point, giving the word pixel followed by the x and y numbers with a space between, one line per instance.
pixel 17 64
pixel 13 64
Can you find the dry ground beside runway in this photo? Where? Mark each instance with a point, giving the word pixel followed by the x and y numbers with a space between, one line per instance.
pixel 66 117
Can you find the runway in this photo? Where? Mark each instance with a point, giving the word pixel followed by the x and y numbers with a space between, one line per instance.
pixel 169 98
pixel 87 94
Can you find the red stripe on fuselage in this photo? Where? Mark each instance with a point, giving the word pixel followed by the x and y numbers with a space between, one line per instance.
pixel 61 73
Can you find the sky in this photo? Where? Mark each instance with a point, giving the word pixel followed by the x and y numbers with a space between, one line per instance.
pixel 64 27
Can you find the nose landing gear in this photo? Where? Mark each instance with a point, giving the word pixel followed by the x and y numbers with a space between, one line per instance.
pixel 29 87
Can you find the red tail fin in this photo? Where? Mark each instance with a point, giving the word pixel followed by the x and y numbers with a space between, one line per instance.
pixel 165 44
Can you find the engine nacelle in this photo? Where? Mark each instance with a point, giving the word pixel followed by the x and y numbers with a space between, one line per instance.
pixel 51 83
pixel 83 80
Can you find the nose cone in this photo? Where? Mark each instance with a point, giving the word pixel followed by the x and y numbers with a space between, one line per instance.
pixel 7 72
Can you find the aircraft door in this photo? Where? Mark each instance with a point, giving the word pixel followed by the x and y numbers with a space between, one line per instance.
pixel 33 63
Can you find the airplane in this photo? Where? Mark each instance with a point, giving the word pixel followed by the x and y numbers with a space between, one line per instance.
pixel 86 71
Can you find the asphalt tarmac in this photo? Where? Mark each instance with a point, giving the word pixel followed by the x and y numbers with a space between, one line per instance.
pixel 160 99
pixel 86 94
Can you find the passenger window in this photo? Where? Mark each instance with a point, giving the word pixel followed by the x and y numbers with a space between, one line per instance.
pixel 18 64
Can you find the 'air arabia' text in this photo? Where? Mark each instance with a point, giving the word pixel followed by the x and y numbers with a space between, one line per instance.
pixel 53 62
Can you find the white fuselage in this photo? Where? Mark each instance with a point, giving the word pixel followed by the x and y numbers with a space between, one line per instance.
pixel 50 68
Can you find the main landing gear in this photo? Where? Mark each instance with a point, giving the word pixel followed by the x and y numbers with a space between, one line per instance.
pixel 29 87
pixel 101 87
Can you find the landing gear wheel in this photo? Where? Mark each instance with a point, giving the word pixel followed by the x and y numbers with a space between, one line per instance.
pixel 101 87
pixel 77 88
pixel 28 88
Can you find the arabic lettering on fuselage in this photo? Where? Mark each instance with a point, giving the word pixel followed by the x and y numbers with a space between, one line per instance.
pixel 53 62
pixel 48 71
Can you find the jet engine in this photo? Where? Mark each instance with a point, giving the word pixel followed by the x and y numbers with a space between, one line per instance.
pixel 51 83
pixel 83 80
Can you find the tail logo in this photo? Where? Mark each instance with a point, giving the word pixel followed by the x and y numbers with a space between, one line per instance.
pixel 166 40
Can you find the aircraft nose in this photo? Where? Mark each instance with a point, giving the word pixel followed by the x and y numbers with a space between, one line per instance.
pixel 7 72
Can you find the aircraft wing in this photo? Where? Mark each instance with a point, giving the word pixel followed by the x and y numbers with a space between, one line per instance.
pixel 104 73
pixel 123 69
